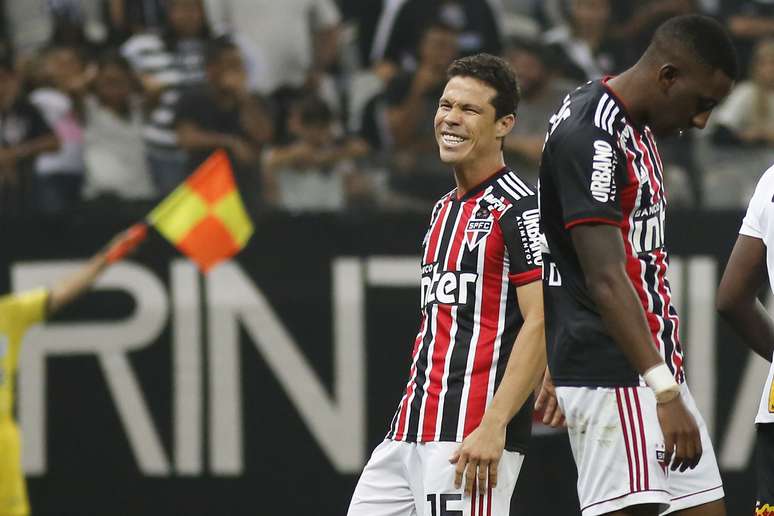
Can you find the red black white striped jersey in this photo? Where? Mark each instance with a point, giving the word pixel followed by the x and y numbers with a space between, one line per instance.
pixel 476 252
pixel 599 167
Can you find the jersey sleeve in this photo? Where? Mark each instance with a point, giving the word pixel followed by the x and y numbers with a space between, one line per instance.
pixel 25 308
pixel 587 170
pixel 754 222
pixel 520 226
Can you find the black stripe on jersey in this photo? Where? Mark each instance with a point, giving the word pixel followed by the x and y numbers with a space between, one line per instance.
pixel 425 356
pixel 651 283
pixel 640 165
pixel 459 358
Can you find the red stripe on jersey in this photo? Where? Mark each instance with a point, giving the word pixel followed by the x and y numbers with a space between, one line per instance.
pixel 644 447
pixel 628 202
pixel 626 438
pixel 649 136
pixel 634 266
pixel 654 181
pixel 435 234
pixel 490 315
pixel 443 336
pixel 399 433
pixel 677 359
pixel 481 505
pixel 525 277
pixel 591 220
pixel 489 500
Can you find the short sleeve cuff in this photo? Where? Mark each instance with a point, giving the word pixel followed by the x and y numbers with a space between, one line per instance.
pixel 591 220
pixel 750 230
pixel 523 278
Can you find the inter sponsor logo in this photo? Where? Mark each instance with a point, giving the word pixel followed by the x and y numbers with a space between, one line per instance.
pixel 603 165
pixel 446 287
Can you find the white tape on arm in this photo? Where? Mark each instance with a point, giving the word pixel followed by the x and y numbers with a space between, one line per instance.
pixel 660 379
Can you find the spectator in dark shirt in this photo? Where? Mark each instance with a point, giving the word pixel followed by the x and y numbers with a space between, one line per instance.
pixel 168 64
pixel 403 22
pixel 23 135
pixel 584 45
pixel 542 91
pixel 635 21
pixel 128 17
pixel 412 100
pixel 748 21
pixel 223 114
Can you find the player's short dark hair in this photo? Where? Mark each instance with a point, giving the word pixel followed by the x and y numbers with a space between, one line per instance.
pixel 217 47
pixel 703 37
pixel 314 111
pixel 495 72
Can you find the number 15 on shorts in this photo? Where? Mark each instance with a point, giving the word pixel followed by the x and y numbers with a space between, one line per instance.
pixel 440 504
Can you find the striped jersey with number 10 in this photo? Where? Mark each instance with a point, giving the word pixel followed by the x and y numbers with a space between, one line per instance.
pixel 599 167
pixel 477 250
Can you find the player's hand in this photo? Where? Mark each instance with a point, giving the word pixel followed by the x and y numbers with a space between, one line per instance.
pixel 547 402
pixel 125 242
pixel 682 439
pixel 478 456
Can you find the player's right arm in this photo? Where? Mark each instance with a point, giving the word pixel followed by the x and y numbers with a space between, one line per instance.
pixel 591 211
pixel 603 260
pixel 69 288
pixel 745 275
pixel 737 298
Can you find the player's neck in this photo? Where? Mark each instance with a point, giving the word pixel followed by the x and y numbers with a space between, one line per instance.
pixel 628 87
pixel 468 176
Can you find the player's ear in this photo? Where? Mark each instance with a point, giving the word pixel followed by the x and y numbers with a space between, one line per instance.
pixel 504 125
pixel 667 75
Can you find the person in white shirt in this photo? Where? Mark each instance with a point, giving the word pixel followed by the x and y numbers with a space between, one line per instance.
pixel 114 146
pixel 751 262
pixel 297 38
pixel 60 172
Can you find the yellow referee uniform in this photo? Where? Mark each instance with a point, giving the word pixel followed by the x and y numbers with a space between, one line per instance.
pixel 17 313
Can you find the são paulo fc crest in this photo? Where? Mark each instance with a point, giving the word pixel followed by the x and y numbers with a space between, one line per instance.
pixel 478 227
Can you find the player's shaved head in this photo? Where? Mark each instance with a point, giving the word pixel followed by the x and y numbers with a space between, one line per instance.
pixel 697 38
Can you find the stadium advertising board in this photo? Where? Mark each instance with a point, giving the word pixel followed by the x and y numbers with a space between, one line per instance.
pixel 262 387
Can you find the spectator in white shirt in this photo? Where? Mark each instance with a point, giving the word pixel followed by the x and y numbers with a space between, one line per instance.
pixel 115 151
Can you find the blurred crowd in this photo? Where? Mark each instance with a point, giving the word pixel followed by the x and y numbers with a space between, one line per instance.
pixel 327 105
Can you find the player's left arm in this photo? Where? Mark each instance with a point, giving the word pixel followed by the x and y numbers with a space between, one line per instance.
pixel 483 448
pixel 737 297
pixel 69 288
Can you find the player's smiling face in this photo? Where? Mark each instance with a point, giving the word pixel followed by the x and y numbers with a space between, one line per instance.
pixel 465 125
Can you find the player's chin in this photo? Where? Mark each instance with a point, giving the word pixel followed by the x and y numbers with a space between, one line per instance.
pixel 450 156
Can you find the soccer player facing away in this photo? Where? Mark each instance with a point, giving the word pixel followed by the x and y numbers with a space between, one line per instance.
pixel 611 326
pixel 752 259
pixel 480 349
pixel 18 312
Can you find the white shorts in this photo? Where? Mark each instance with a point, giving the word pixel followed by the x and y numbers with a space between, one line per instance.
pixel 416 479
pixel 618 447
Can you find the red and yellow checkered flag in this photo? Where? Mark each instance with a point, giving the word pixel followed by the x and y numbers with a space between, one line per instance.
pixel 204 217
